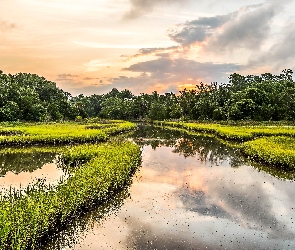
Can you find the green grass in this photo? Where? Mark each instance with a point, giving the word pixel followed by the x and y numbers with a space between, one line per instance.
pixel 271 144
pixel 275 150
pixel 27 219
pixel 60 133
pixel 238 133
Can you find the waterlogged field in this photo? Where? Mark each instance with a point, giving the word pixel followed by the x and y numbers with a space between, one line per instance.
pixel 192 192
pixel 270 144
pixel 30 214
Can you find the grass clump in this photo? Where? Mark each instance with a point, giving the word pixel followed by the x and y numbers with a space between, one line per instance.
pixel 61 133
pixel 27 219
pixel 271 144
pixel 237 133
pixel 275 150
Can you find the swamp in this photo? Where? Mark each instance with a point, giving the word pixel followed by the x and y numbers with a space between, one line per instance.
pixel 148 186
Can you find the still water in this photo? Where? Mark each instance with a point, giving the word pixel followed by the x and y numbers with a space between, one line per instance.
pixel 190 193
pixel 18 170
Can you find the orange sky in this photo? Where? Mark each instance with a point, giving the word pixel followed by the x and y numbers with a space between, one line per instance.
pixel 91 46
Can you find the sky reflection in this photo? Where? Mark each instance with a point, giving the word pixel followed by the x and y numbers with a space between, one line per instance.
pixel 18 170
pixel 182 202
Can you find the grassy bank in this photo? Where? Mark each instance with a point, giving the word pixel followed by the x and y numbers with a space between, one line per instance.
pixel 274 145
pixel 238 133
pixel 60 133
pixel 26 220
pixel 275 150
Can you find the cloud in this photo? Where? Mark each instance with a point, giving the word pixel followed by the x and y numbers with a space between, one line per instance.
pixel 249 29
pixel 152 51
pixel 6 26
pixel 168 75
pixel 281 54
pixel 180 69
pixel 90 78
pixel 141 7
pixel 246 28
pixel 197 30
pixel 65 77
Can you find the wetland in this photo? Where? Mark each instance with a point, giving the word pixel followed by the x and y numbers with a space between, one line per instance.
pixel 191 192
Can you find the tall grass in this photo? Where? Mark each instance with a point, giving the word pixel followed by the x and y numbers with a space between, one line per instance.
pixel 27 219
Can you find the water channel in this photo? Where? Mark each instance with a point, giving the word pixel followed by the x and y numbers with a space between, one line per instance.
pixel 191 192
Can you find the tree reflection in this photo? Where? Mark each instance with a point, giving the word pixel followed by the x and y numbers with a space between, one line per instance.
pixel 24 162
pixel 71 233
pixel 206 148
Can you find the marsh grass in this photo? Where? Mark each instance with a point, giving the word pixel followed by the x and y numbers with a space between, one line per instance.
pixel 27 219
pixel 275 150
pixel 271 144
pixel 237 133
pixel 60 133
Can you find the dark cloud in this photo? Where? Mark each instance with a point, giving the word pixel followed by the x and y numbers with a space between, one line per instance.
pixel 281 54
pixel 141 7
pixel 165 75
pixel 151 51
pixel 245 28
pixel 6 26
pixel 180 69
pixel 197 30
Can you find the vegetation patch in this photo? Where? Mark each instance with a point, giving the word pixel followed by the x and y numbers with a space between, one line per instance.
pixel 60 133
pixel 238 133
pixel 273 145
pixel 28 218
pixel 275 150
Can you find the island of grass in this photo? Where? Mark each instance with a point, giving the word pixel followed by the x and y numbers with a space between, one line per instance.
pixel 29 216
pixel 60 133
pixel 271 144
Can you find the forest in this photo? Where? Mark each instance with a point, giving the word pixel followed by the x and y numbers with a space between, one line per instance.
pixel 267 97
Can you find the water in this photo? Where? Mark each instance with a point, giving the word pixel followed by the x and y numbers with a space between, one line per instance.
pixel 19 169
pixel 190 193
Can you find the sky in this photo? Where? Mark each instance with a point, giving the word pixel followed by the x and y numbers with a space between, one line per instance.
pixel 91 46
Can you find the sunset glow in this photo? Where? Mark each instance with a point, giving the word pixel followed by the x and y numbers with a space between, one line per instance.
pixel 92 46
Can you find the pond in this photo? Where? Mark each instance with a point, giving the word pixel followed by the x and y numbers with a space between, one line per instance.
pixel 191 192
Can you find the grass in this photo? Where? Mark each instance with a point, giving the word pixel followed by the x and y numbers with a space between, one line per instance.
pixel 271 144
pixel 27 219
pixel 237 133
pixel 275 150
pixel 60 133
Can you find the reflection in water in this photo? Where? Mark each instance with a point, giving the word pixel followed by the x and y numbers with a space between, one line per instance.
pixel 73 233
pixel 195 201
pixel 206 148
pixel 23 162
pixel 19 170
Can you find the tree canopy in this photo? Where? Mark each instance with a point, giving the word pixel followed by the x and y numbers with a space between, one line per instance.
pixel 29 97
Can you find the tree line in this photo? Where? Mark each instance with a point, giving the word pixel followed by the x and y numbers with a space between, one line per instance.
pixel 29 97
